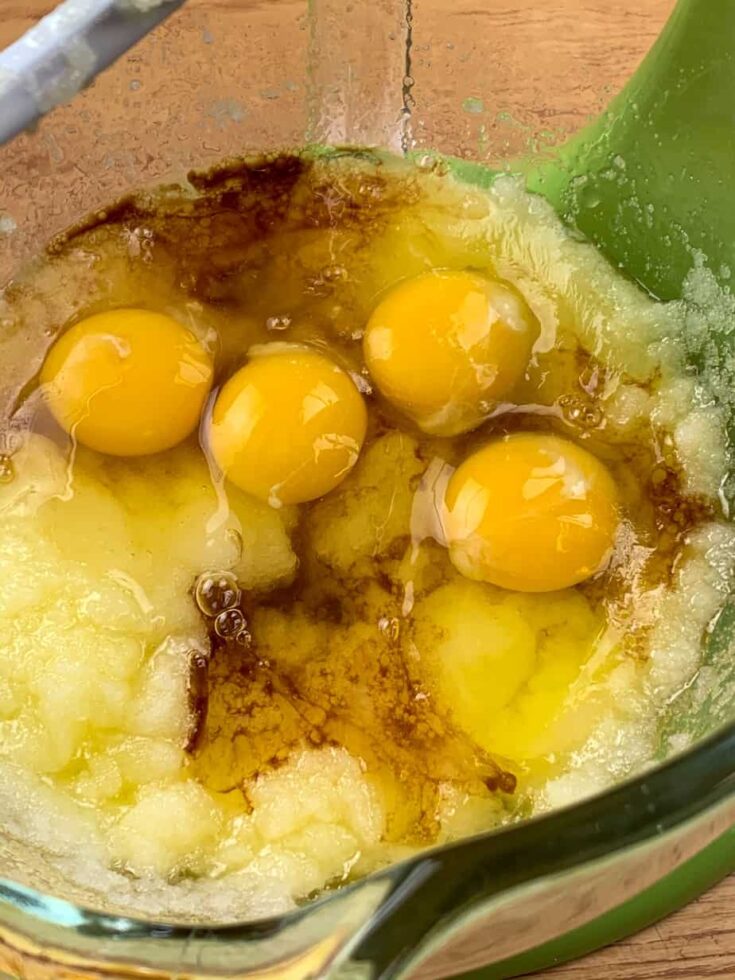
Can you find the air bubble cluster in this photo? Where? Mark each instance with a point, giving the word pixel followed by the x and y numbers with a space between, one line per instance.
pixel 229 624
pixel 218 596
pixel 580 412
pixel 279 322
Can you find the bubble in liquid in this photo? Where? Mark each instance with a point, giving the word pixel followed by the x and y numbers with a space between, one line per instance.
pixel 216 592
pixel 590 198
pixel 371 188
pixel 334 273
pixel 7 469
pixel 244 638
pixel 580 412
pixel 282 322
pixel 390 626
pixel 230 623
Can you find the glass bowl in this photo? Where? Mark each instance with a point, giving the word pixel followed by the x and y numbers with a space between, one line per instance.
pixel 491 83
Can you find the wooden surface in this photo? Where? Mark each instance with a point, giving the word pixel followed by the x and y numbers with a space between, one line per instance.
pixel 697 943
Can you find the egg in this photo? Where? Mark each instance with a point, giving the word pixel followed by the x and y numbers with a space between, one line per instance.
pixel 288 426
pixel 445 346
pixel 128 382
pixel 531 512
pixel 506 663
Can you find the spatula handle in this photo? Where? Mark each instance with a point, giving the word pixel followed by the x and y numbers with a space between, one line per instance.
pixel 65 50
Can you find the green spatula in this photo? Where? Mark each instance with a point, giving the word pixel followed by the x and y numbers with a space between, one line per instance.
pixel 654 178
pixel 652 181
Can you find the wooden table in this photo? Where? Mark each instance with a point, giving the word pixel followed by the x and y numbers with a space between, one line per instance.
pixel 697 943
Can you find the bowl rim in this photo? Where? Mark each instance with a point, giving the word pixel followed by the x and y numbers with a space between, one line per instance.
pixel 429 891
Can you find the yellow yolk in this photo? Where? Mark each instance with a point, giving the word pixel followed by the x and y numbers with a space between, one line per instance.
pixel 531 512
pixel 127 382
pixel 446 346
pixel 288 426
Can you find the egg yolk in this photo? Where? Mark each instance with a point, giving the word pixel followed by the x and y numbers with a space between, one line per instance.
pixel 127 382
pixel 445 346
pixel 288 426
pixel 531 512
